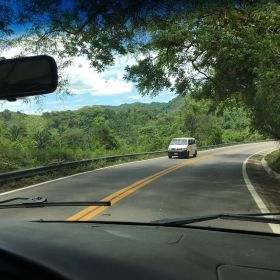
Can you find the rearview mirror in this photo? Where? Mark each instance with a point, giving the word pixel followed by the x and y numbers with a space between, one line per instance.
pixel 27 76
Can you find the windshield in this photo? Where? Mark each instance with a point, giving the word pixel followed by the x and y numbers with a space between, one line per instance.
pixel 132 80
pixel 179 142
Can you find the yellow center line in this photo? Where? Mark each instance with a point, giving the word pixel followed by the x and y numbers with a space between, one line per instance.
pixel 117 198
pixel 92 211
pixel 118 193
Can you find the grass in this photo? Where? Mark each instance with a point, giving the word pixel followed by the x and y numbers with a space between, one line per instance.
pixel 20 183
pixel 273 160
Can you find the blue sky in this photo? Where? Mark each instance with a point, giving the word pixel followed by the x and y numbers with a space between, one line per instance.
pixel 88 88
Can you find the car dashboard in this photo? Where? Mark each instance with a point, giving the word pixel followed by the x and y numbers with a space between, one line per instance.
pixel 52 250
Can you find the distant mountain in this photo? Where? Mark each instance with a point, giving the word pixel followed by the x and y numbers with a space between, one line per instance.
pixel 175 103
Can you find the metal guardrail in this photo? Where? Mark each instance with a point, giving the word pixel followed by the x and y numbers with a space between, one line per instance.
pixel 232 144
pixel 19 174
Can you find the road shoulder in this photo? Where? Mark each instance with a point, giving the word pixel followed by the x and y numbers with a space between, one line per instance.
pixel 267 187
pixel 268 169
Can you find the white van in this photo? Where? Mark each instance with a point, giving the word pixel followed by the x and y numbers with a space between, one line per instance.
pixel 182 147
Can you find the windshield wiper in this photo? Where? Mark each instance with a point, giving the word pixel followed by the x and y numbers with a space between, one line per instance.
pixel 255 217
pixel 42 202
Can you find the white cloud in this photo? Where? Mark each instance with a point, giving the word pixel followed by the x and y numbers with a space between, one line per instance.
pixel 20 106
pixel 46 105
pixel 107 87
pixel 84 79
pixel 11 53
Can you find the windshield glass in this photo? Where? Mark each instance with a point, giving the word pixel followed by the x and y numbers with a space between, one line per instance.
pixel 179 142
pixel 132 80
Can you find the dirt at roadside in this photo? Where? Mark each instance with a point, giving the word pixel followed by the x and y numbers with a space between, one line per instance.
pixel 266 186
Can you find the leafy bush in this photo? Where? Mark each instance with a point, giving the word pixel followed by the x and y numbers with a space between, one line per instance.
pixel 273 160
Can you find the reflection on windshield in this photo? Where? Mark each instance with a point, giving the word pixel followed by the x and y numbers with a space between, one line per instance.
pixel 179 142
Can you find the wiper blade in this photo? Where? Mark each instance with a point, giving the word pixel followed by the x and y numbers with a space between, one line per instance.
pixel 252 217
pixel 42 202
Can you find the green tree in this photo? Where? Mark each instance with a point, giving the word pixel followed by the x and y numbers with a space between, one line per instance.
pixel 225 50
pixel 16 131
pixel 100 134
pixel 73 137
pixel 41 139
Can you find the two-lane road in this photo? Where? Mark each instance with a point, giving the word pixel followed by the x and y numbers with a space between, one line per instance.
pixel 150 190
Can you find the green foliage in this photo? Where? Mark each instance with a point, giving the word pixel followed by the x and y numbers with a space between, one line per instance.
pixel 273 160
pixel 32 140
pixel 41 139
pixel 217 49
pixel 223 51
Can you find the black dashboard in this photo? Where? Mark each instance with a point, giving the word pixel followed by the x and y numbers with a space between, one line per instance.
pixel 36 250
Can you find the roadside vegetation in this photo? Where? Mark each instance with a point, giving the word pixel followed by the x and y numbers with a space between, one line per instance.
pixel 273 160
pixel 35 140
pixel 15 184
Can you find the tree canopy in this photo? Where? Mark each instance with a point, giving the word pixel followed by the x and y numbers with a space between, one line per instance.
pixel 224 50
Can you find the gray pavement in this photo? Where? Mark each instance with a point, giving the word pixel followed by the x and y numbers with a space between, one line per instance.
pixel 211 183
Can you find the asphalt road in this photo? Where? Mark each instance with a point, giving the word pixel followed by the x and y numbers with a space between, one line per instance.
pixel 151 190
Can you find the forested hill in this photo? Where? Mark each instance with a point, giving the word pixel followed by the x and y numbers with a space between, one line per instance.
pixel 175 104
pixel 32 140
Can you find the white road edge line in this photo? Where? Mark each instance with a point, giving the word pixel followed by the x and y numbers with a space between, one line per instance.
pixel 77 174
pixel 86 172
pixel 112 166
pixel 260 203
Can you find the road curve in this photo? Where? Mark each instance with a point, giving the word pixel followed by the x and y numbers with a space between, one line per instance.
pixel 151 190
